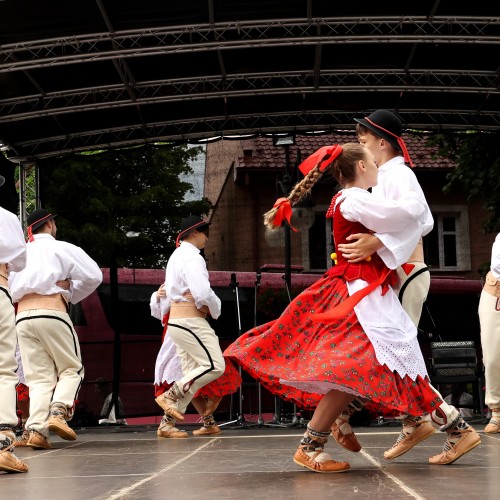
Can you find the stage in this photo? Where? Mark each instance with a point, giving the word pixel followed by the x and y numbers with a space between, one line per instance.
pixel 130 462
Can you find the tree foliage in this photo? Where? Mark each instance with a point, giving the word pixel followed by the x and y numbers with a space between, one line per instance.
pixel 477 155
pixel 122 204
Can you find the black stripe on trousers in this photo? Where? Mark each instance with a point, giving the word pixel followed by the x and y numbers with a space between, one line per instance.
pixel 409 280
pixel 6 293
pixel 212 366
pixel 46 316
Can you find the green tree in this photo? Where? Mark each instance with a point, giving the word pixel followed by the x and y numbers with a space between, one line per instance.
pixel 477 155
pixel 122 206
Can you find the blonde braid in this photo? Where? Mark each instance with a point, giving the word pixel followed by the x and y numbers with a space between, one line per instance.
pixel 299 190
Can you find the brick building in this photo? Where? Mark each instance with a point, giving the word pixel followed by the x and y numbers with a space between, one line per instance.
pixel 241 182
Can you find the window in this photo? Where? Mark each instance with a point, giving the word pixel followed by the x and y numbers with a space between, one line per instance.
pixel 447 247
pixel 317 244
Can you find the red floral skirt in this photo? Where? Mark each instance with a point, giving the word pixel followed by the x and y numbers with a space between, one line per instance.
pixel 23 393
pixel 314 358
pixel 227 383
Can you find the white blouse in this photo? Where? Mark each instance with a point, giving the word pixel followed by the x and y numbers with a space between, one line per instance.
pixel 385 322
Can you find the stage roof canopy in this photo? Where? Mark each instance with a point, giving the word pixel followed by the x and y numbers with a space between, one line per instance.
pixel 77 75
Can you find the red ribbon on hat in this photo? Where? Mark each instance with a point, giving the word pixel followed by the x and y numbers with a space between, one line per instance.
pixel 30 227
pixel 283 212
pixel 401 143
pixel 322 157
pixel 177 240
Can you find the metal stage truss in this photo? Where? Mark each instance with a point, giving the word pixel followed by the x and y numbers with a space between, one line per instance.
pixel 100 75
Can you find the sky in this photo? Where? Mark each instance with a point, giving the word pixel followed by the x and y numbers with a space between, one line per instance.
pixel 197 179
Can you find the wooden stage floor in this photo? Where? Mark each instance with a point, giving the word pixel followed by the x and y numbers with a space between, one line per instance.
pixel 245 463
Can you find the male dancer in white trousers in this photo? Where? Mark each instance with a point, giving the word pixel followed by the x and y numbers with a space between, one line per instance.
pixel 57 273
pixel 489 319
pixel 12 258
pixel 189 299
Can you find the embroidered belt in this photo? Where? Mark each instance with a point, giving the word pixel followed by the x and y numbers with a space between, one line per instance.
pixel 185 310
pixel 492 285
pixel 55 302
pixel 4 275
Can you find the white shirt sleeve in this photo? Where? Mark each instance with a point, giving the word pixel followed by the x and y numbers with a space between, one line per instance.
pixel 12 242
pixel 397 182
pixel 397 224
pixel 84 273
pixel 495 258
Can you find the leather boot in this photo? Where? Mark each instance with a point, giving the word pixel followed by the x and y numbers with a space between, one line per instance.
pixel 415 430
pixel 210 428
pixel 312 456
pixel 459 442
pixel 168 402
pixel 56 422
pixel 167 429
pixel 8 461
pixel 38 441
pixel 23 439
pixel 344 435
pixel 494 423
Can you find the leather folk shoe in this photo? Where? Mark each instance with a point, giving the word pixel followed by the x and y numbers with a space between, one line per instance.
pixel 209 430
pixel 58 425
pixel 342 432
pixel 23 439
pixel 494 424
pixel 169 406
pixel 319 461
pixel 38 441
pixel 9 462
pixel 411 434
pixel 170 431
pixel 459 442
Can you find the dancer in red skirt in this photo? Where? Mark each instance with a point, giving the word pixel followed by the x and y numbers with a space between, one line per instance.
pixel 347 335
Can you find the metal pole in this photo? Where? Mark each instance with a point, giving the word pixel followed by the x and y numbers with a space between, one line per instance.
pixel 288 242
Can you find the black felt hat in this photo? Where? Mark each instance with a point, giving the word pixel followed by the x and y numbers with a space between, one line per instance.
pixel 189 224
pixel 39 217
pixel 385 124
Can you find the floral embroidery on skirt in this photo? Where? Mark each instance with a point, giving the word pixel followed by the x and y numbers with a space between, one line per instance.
pixel 299 359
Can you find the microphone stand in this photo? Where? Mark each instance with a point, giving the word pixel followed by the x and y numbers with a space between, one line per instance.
pixel 240 420
pixel 258 277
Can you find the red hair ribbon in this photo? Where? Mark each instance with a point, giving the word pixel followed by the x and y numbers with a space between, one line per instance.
pixel 322 157
pixel 283 212
pixel 401 143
